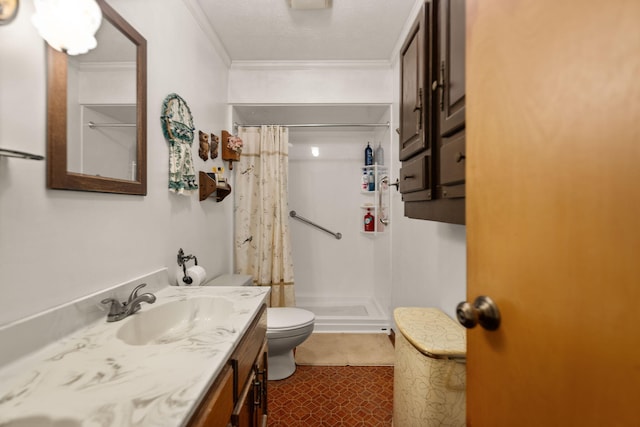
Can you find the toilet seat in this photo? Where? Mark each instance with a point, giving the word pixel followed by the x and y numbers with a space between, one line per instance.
pixel 281 319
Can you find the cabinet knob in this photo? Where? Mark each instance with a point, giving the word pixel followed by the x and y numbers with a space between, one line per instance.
pixel 460 157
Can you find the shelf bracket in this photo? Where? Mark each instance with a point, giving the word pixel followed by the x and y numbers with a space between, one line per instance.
pixel 208 186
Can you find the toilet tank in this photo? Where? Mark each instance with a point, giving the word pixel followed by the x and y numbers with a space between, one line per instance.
pixel 231 280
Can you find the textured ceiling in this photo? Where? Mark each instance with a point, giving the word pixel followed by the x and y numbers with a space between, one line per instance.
pixel 270 30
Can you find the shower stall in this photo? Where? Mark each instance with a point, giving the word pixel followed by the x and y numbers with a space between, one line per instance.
pixel 345 281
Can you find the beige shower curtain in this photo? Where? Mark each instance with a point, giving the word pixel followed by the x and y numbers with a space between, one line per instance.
pixel 262 243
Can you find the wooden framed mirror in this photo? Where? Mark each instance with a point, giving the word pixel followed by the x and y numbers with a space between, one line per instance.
pixel 97 112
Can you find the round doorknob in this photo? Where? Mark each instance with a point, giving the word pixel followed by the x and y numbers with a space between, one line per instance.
pixel 483 311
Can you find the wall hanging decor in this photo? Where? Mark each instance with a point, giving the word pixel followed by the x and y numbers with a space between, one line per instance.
pixel 203 151
pixel 231 148
pixel 215 141
pixel 210 186
pixel 177 126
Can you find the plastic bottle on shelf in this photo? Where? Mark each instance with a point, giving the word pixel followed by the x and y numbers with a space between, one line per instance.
pixel 369 221
pixel 372 181
pixel 368 155
pixel 379 155
pixel 365 180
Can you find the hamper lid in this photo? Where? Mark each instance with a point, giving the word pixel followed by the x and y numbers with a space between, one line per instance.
pixel 431 331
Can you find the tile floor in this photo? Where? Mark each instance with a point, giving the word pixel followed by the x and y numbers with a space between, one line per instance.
pixel 333 396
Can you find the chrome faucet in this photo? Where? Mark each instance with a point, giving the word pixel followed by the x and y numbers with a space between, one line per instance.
pixel 119 311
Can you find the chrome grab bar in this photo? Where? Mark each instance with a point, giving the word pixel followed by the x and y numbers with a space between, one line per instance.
pixel 384 180
pixel 293 214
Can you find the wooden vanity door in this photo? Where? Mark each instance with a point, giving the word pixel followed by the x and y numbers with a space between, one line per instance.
pixel 217 406
pixel 262 373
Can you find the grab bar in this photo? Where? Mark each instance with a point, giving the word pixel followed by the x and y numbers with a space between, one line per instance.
pixel 293 214
pixel 384 180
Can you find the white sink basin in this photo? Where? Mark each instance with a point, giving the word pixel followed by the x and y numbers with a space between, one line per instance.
pixel 198 318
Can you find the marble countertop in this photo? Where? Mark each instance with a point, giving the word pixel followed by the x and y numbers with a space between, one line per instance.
pixel 431 331
pixel 93 378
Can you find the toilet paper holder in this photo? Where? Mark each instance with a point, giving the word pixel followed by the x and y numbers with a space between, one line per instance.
pixel 182 262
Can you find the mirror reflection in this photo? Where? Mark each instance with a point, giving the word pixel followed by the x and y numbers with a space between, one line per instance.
pixel 96 112
pixel 101 108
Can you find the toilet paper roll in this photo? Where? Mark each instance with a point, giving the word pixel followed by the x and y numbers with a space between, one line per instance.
pixel 179 276
pixel 197 274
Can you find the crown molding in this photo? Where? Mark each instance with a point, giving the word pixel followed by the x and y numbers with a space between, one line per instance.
pixel 311 65
pixel 199 16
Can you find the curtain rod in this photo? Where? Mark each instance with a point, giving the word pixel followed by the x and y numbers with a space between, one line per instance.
pixel 318 125
pixel 93 125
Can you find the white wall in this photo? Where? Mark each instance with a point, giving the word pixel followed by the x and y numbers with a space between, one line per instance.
pixel 56 245
pixel 324 82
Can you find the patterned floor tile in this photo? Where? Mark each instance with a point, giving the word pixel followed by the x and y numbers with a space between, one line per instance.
pixel 333 396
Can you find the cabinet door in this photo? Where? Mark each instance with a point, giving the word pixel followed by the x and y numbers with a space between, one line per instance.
pixel 262 372
pixel 413 138
pixel 414 178
pixel 217 406
pixel 452 165
pixel 244 357
pixel 244 414
pixel 451 71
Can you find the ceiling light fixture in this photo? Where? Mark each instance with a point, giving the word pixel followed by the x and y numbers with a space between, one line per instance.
pixel 68 25
pixel 309 4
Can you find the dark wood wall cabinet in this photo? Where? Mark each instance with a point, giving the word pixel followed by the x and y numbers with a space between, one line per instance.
pixel 432 114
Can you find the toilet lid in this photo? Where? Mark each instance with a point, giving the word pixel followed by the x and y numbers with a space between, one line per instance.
pixel 288 317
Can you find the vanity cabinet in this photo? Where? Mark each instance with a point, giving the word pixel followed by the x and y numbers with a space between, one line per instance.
pixel 238 396
pixel 218 404
pixel 250 381
pixel 432 114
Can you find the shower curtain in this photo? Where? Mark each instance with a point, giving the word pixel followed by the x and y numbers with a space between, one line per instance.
pixel 262 242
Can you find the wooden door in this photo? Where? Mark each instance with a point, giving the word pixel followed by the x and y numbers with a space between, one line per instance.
pixel 553 211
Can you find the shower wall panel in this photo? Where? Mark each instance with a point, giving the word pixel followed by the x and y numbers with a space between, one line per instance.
pixel 326 190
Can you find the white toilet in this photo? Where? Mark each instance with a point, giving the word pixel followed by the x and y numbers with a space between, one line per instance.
pixel 287 328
